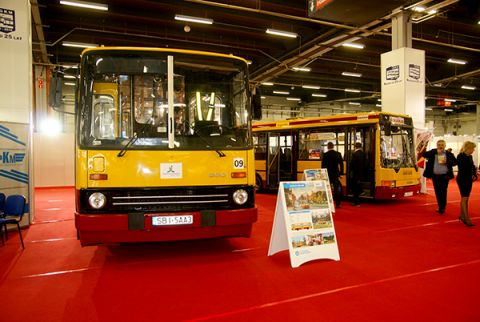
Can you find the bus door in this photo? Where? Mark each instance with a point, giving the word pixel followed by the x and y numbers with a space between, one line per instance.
pixel 280 163
pixel 364 134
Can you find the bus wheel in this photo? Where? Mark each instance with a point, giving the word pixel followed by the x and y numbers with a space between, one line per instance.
pixel 258 183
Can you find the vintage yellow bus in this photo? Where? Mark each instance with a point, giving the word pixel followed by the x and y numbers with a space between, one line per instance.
pixel 163 146
pixel 285 148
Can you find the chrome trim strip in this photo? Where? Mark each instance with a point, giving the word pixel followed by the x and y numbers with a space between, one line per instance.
pixel 167 202
pixel 175 196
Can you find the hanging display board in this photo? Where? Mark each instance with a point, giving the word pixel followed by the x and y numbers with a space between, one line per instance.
pixel 303 223
pixel 14 169
pixel 320 174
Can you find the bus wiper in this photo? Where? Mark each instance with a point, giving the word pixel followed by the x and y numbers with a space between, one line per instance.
pixel 205 140
pixel 134 138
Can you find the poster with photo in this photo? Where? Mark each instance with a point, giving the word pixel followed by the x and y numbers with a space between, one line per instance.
pixel 320 174
pixel 303 223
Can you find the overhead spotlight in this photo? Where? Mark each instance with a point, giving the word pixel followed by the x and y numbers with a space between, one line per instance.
pixel 281 33
pixel 85 4
pixel 351 74
pixel 301 69
pixel 78 44
pixel 353 45
pixel 456 61
pixel 187 28
pixel 352 90
pixel 205 21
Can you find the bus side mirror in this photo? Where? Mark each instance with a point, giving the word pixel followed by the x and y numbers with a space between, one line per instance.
pixel 55 93
pixel 257 105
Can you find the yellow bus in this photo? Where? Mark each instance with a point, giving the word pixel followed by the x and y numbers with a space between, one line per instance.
pixel 163 146
pixel 285 148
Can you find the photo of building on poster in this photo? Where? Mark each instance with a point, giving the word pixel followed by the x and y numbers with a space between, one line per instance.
pixel 320 174
pixel 313 240
pixel 306 195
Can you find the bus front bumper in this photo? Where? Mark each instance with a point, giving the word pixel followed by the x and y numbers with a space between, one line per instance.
pixel 397 192
pixel 138 227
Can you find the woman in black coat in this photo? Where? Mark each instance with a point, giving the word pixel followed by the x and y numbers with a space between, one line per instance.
pixel 467 173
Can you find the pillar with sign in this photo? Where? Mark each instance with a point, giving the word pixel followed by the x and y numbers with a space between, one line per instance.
pixel 403 74
pixel 16 98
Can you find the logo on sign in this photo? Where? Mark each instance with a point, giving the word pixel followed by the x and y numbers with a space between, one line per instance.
pixel 9 158
pixel 7 20
pixel 171 171
pixel 414 73
pixel 393 72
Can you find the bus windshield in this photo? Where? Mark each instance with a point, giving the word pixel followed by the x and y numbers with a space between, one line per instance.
pixel 124 100
pixel 397 149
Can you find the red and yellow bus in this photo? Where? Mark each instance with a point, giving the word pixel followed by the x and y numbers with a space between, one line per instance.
pixel 285 148
pixel 163 146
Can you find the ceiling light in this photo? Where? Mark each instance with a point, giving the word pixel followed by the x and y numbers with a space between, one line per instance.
pixel 78 44
pixel 267 84
pixel 310 87
pixel 351 74
pixel 379 99
pixel 448 110
pixel 354 103
pixel 69 84
pixel 438 85
pixel 319 95
pixel 249 62
pixel 419 9
pixel 70 77
pixel 353 45
pixel 302 69
pixel 263 97
pixel 456 61
pixel 428 109
pixel 352 90
pixel 281 92
pixel 472 88
pixel 293 99
pixel 432 12
pixel 378 105
pixel 449 100
pixel 84 4
pixel 281 33
pixel 205 21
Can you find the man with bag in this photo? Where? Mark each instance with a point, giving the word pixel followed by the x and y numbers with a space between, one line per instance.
pixel 333 162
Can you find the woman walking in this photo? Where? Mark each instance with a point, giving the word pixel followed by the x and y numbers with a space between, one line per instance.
pixel 467 173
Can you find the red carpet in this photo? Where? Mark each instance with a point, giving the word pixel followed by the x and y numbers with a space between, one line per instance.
pixel 400 261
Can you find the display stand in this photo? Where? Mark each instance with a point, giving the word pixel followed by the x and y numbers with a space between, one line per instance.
pixel 303 223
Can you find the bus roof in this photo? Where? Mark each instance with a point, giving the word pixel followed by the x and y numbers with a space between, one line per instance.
pixel 309 121
pixel 153 49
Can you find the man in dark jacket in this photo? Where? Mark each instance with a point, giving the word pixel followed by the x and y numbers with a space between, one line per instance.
pixel 439 169
pixel 357 172
pixel 333 162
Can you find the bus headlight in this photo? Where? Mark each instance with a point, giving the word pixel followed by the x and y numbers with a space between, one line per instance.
pixel 97 200
pixel 240 196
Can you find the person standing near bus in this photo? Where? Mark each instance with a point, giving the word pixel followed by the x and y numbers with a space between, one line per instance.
pixel 467 173
pixel 357 172
pixel 439 168
pixel 333 162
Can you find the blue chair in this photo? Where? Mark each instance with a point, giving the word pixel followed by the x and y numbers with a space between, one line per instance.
pixel 13 214
pixel 2 204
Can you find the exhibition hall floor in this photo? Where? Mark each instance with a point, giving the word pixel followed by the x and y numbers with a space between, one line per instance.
pixel 400 261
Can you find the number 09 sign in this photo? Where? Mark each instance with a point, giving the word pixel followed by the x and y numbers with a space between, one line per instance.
pixel 238 163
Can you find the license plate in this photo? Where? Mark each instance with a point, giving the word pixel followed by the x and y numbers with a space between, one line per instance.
pixel 172 220
pixel 408 194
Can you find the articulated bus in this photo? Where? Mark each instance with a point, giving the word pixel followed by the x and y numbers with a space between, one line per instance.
pixel 163 146
pixel 285 148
